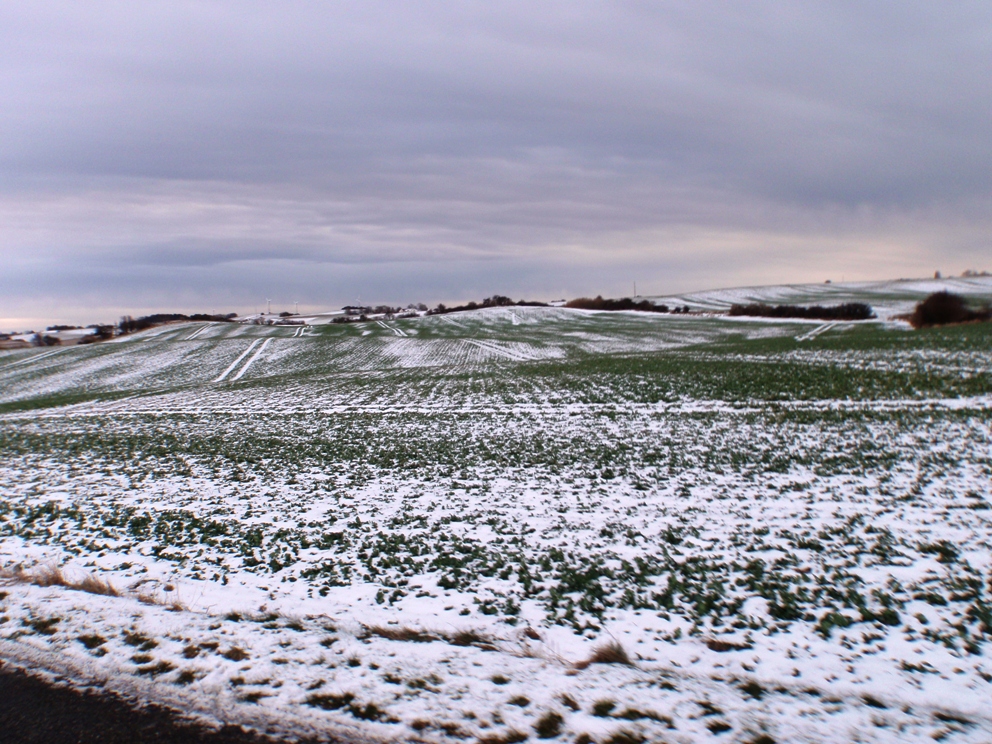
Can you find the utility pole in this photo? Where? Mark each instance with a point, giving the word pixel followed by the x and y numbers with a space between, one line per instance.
pixel 267 300
pixel 297 304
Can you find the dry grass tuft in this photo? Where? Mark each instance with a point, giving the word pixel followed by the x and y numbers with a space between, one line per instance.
pixel 548 726
pixel 722 646
pixel 624 736
pixel 609 653
pixel 235 654
pixel 472 638
pixel 511 736
pixel 95 585
pixel 52 575
pixel 400 634
pixel 415 635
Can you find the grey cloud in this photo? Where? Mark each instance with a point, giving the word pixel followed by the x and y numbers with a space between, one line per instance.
pixel 192 135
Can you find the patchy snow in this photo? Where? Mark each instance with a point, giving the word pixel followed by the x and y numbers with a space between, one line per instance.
pixel 426 536
pixel 251 360
pixel 230 368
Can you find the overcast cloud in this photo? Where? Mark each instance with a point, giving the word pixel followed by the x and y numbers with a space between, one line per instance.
pixel 207 155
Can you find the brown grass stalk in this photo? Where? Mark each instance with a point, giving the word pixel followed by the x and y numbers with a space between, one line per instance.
pixel 608 653
pixel 52 575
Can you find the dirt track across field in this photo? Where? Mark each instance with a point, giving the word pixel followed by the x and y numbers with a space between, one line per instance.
pixel 33 711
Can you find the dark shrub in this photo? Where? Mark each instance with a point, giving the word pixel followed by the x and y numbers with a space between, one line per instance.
pixel 847 311
pixel 494 301
pixel 598 303
pixel 128 324
pixel 548 726
pixel 942 308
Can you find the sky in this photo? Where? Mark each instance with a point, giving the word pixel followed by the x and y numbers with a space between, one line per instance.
pixel 209 156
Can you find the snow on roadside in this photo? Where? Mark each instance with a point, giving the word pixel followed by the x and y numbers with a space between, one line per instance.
pixel 307 674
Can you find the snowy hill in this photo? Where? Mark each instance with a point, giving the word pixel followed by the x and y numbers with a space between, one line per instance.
pixel 202 354
pixel 888 298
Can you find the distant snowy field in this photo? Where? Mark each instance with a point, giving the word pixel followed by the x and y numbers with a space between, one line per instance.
pixel 888 298
pixel 422 529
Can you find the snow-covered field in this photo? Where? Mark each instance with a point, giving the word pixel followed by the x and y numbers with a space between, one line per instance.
pixel 888 298
pixel 445 533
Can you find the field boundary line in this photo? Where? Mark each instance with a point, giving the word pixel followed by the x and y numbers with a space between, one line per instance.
pixel 515 356
pixel 816 332
pixel 398 331
pixel 235 363
pixel 253 358
pixel 102 408
pixel 36 357
pixel 198 331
